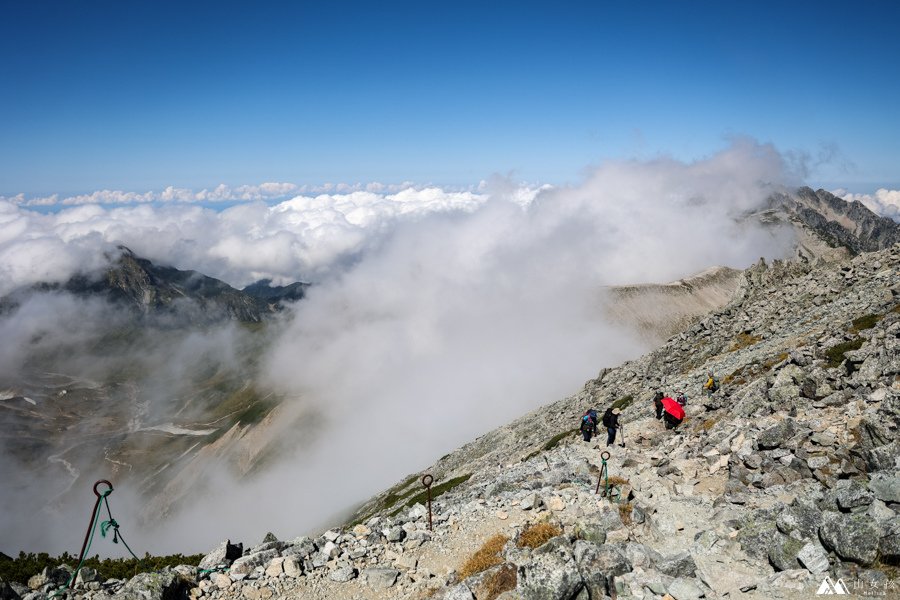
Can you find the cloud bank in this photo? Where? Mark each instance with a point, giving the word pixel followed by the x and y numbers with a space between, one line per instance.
pixel 883 202
pixel 436 315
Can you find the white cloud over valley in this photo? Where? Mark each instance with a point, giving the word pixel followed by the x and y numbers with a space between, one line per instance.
pixel 436 315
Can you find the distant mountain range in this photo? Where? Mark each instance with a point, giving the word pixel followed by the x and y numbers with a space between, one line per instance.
pixel 153 290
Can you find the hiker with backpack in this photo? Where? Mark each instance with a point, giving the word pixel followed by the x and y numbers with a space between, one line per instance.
pixel 712 384
pixel 673 413
pixel 588 426
pixel 657 403
pixel 611 422
pixel 681 398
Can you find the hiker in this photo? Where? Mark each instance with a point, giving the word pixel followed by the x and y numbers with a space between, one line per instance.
pixel 611 422
pixel 673 413
pixel 712 384
pixel 589 424
pixel 681 398
pixel 657 402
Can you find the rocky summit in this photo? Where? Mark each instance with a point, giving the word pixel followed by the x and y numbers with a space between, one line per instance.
pixel 783 483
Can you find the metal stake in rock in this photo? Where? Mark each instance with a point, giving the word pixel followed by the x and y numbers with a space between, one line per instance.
pixel 427 480
pixel 604 472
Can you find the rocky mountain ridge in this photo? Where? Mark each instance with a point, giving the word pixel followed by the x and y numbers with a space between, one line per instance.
pixel 807 352
pixel 158 292
pixel 787 475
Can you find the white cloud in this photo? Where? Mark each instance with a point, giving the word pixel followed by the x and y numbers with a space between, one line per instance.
pixel 267 191
pixel 437 314
pixel 883 202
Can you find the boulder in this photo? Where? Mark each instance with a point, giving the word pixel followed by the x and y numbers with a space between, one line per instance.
pixel 381 578
pixel 885 487
pixel 595 529
pixel 342 574
pixel 163 585
pixel 889 544
pixel 805 520
pixel 813 557
pixel 221 556
pixel 850 494
pixel 684 589
pixel 783 553
pixel 7 592
pixel 245 565
pixel 552 573
pixel 852 537
pixel 776 435
pixel 599 564
pixel 677 565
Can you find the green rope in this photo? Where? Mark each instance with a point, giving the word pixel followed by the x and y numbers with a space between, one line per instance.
pixel 87 549
pixel 117 535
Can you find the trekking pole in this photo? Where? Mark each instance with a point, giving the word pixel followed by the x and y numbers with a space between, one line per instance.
pixel 622 428
pixel 427 480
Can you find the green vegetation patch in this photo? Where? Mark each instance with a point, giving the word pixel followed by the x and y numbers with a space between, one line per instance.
pixel 396 493
pixel 835 354
pixel 623 402
pixel 26 565
pixel 556 439
pixel 422 497
pixel 864 322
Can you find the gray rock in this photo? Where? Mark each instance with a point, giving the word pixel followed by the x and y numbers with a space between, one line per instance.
pixel 889 544
pixel 85 575
pixel 459 591
pixel 775 436
pixel 7 592
pixel 381 578
pixel 813 557
pixel 301 547
pixel 552 573
pixel 851 537
pixel 395 534
pixel 599 565
pixel 530 502
pixel 783 553
pixel 342 574
pixel 678 565
pixel 163 585
pixel 221 555
pixel 684 589
pixel 879 511
pixel 805 520
pixel 852 494
pixel 595 529
pixel 885 487
pixel 331 535
pixel 245 565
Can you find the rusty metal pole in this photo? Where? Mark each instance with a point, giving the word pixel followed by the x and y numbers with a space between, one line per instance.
pixel 604 456
pixel 427 480
pixel 90 528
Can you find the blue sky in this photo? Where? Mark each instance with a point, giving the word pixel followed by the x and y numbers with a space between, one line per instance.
pixel 142 95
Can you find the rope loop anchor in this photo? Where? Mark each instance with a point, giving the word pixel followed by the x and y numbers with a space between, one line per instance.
pixel 107 492
pixel 604 473
pixel 427 480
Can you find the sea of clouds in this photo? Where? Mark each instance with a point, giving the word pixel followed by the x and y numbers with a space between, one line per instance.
pixel 435 315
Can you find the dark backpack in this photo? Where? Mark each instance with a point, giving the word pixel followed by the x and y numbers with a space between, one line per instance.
pixel 608 418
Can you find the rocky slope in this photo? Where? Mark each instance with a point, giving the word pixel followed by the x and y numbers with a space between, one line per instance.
pixel 788 475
